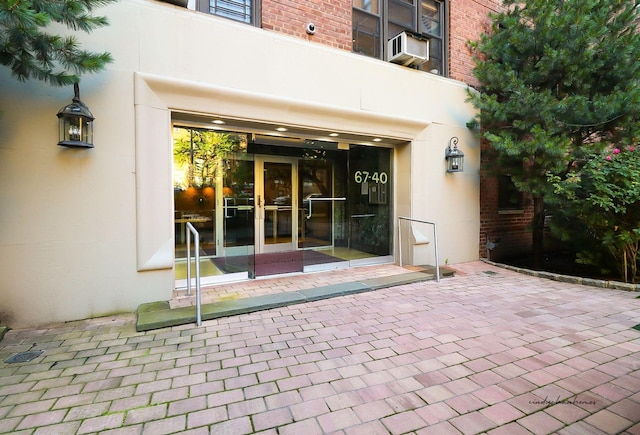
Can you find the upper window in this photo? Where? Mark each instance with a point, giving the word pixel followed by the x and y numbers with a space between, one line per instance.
pixel 509 197
pixel 377 21
pixel 238 10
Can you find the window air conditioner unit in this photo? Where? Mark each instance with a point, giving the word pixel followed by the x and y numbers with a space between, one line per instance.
pixel 408 49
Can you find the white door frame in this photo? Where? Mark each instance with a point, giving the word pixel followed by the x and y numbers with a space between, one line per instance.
pixel 262 208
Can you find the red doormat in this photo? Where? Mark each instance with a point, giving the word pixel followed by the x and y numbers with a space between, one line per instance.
pixel 274 263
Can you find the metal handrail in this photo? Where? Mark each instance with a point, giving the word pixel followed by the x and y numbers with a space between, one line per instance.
pixel 435 241
pixel 196 238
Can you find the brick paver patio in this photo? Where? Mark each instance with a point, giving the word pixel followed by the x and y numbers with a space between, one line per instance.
pixel 487 351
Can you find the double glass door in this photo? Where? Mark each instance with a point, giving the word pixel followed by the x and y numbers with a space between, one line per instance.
pixel 276 204
pixel 263 210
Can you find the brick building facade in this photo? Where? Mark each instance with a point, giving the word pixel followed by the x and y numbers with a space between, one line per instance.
pixel 467 20
pixel 312 115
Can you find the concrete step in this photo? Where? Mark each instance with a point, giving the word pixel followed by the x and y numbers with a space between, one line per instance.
pixel 156 315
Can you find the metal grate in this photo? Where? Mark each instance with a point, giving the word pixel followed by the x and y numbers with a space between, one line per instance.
pixel 23 357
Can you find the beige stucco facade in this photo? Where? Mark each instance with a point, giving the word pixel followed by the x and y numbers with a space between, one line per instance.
pixel 89 232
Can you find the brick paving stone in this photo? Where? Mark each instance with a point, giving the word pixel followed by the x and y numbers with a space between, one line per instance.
pixel 466 403
pixel 517 386
pixel 175 394
pixel 581 428
pixel 309 408
pixel 486 378
pixel 509 429
pixel 567 412
pixel 626 408
pixel 435 413
pixel 541 423
pixel 606 420
pixel 224 398
pixel 166 426
pixel 41 419
pixel 272 419
pixel 371 411
pixel 403 422
pixel 473 422
pixel 343 400
pixel 435 393
pixel 530 350
pixel 375 392
pixel 293 383
pixel 443 428
pixel 306 427
pixel 338 420
pixel 205 417
pixel 502 413
pixel 61 428
pixel 98 424
pixel 260 390
pixel 272 375
pixel 86 411
pixel 142 415
pixel 240 381
pixel 31 408
pixel 370 428
pixel 70 401
pixel 634 430
pixel 283 399
pixel 405 402
pixel 612 392
pixel 187 405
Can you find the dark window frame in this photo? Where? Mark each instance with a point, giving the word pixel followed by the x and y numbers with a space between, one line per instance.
pixel 206 7
pixel 509 197
pixel 388 29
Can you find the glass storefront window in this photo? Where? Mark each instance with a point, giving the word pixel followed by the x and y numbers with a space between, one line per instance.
pixel 263 209
pixel 370 199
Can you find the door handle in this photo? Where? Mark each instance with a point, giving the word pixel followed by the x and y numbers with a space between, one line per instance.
pixel 321 199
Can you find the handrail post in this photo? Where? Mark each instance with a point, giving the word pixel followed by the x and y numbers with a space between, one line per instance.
pixel 400 240
pixel 196 239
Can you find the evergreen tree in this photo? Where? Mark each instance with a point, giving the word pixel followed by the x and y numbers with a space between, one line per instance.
pixel 30 52
pixel 558 81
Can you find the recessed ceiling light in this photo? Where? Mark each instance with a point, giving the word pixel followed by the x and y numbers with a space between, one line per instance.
pixel 281 129
pixel 218 121
pixel 377 139
pixel 334 134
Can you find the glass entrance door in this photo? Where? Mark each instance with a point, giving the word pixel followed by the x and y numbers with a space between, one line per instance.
pixel 276 204
pixel 267 209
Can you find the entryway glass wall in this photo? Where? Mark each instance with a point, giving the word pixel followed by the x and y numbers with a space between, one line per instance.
pixel 266 205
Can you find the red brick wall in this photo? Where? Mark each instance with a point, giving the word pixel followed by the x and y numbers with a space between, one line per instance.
pixel 511 227
pixel 468 19
pixel 332 19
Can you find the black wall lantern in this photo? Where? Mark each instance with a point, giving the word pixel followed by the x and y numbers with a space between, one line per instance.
pixel 454 157
pixel 75 123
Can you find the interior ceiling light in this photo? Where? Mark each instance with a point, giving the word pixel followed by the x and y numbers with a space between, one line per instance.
pixel 218 121
pixel 377 139
pixel 334 134
pixel 281 129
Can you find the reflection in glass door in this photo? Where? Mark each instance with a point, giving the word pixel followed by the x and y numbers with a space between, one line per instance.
pixel 268 209
pixel 370 203
pixel 323 229
pixel 276 205
pixel 213 190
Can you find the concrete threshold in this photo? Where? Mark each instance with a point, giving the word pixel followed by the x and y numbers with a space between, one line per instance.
pixel 156 315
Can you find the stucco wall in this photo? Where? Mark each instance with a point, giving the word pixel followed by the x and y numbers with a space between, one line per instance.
pixel 89 232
